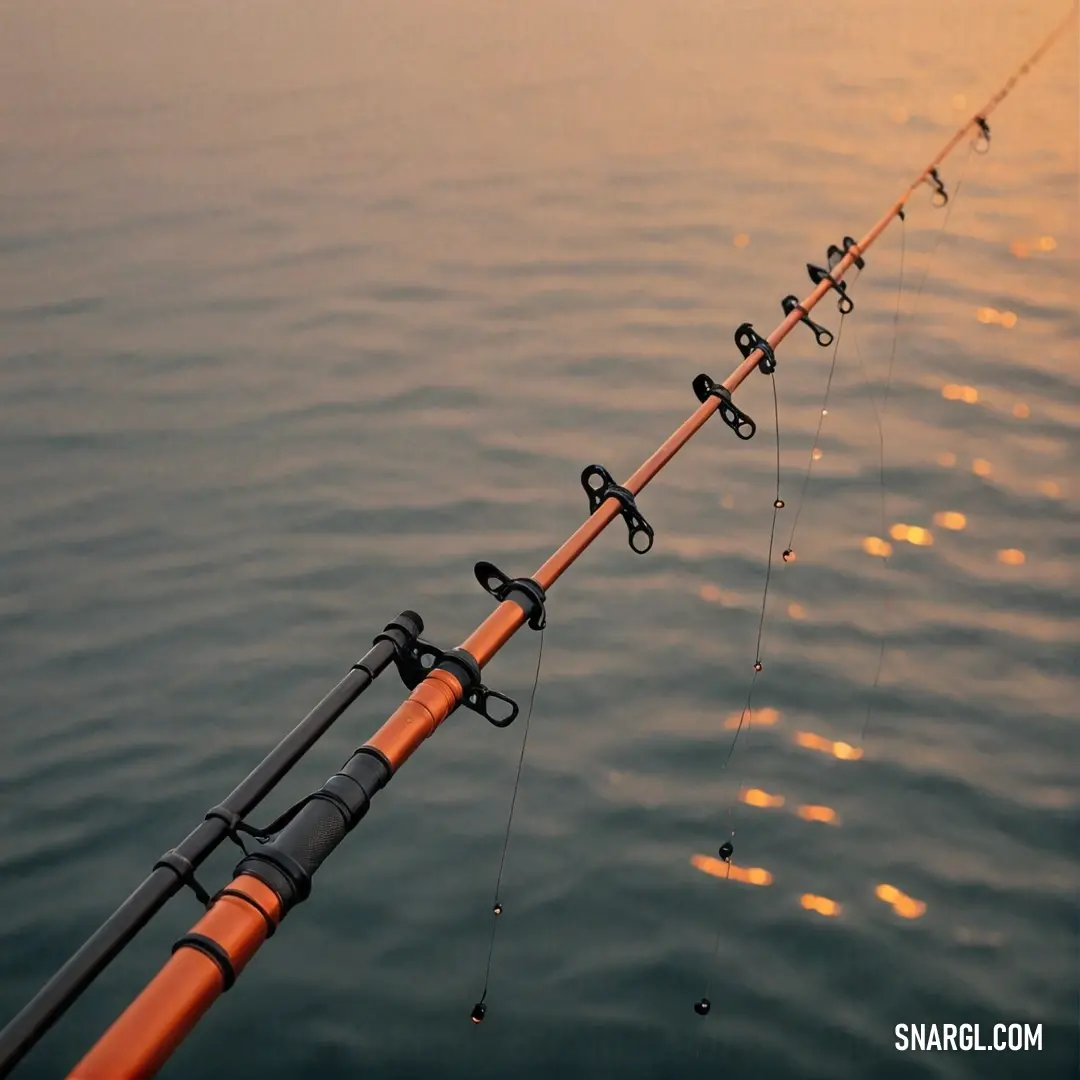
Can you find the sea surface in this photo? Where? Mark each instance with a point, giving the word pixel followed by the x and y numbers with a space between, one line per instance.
pixel 305 308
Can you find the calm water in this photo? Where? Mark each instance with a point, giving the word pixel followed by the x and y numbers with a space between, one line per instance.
pixel 305 308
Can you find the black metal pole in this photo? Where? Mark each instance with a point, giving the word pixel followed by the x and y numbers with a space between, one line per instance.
pixel 175 867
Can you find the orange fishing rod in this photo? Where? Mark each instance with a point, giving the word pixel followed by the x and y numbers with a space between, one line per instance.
pixel 276 875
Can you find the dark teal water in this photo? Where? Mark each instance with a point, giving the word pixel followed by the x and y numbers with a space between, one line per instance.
pixel 303 310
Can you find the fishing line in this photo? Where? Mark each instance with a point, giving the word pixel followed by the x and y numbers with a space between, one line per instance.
pixel 929 263
pixel 879 414
pixel 879 421
pixel 789 554
pixel 704 1004
pixel 895 332
pixel 789 551
pixel 778 505
pixel 480 1008
pixel 879 417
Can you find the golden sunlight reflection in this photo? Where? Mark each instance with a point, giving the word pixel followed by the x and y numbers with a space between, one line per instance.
pixel 907 907
pixel 825 814
pixel 1011 557
pixel 741 240
pixel 1050 489
pixel 946 459
pixel 796 611
pixel 713 594
pixel 1023 249
pixel 981 467
pixel 757 797
pixel 874 545
pixel 816 455
pixel 950 519
pixel 955 392
pixel 748 875
pixel 842 750
pixel 1021 411
pixel 991 316
pixel 913 534
pixel 821 904
pixel 763 717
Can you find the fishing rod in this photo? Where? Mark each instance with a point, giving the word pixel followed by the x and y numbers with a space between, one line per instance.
pixel 276 872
